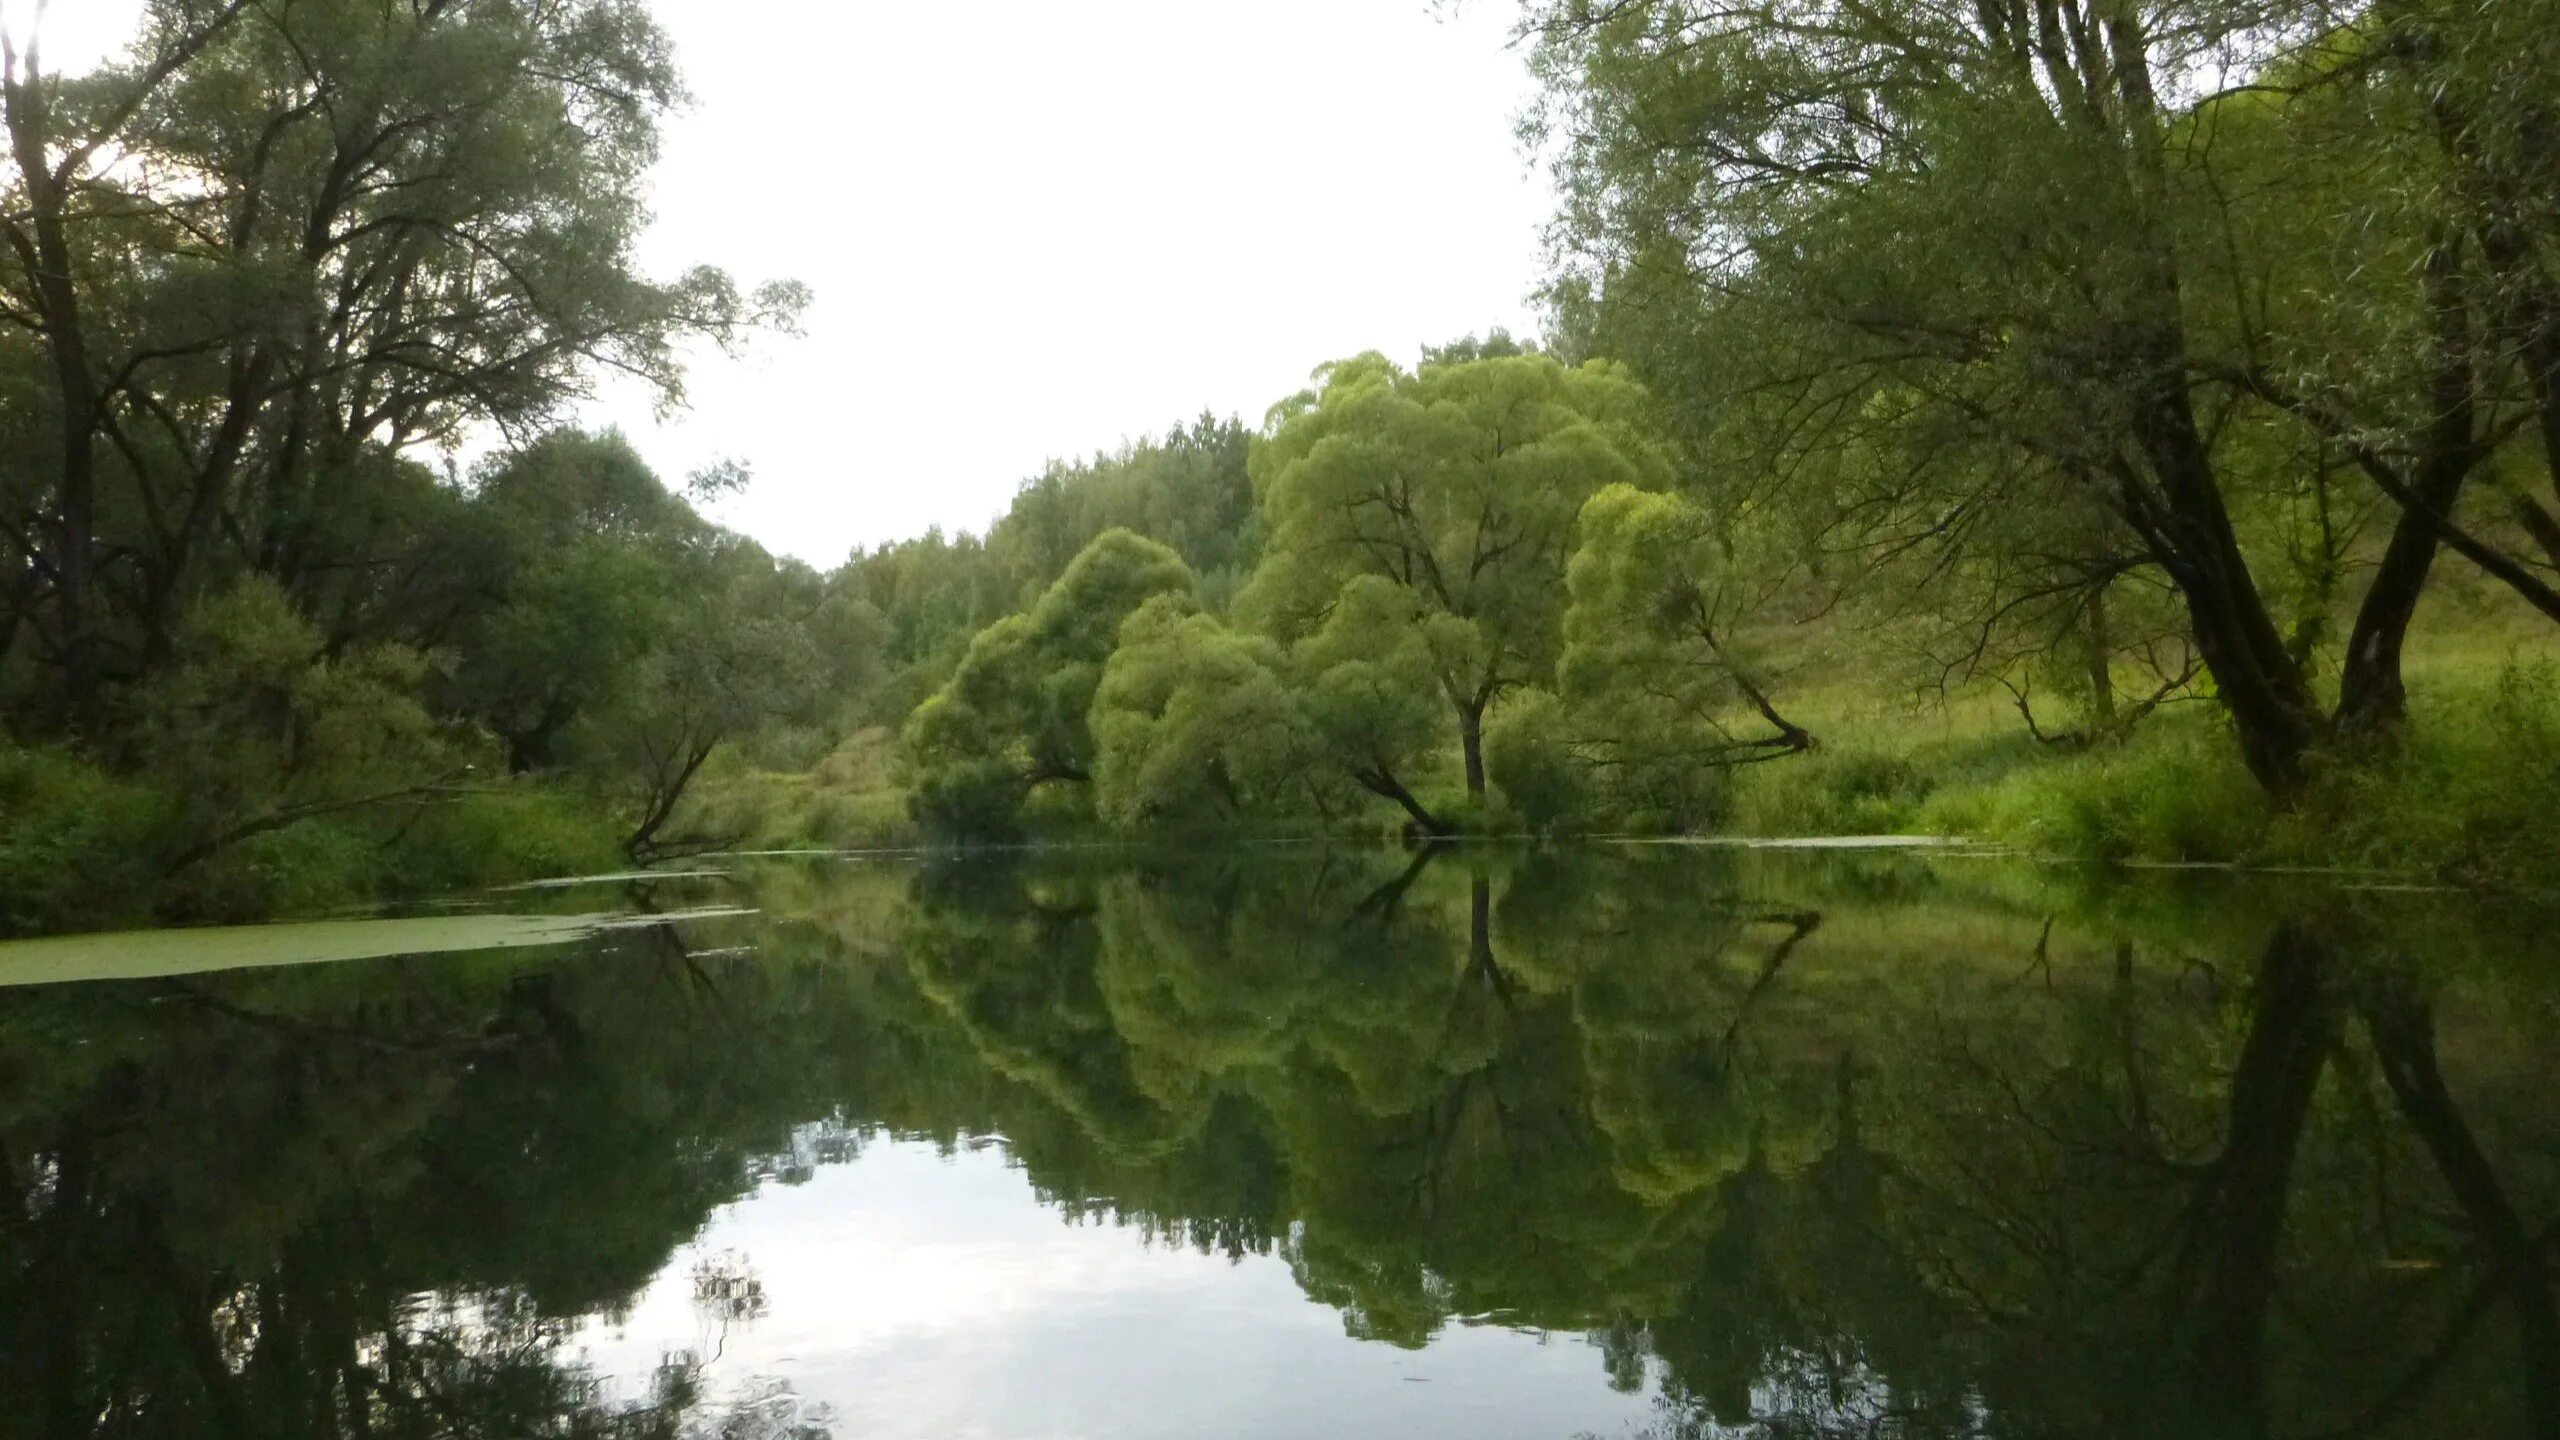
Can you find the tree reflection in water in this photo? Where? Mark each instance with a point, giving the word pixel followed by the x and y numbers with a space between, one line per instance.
pixel 1835 1148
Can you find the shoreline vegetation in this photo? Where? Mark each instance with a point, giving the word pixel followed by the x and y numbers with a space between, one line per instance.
pixel 1937 427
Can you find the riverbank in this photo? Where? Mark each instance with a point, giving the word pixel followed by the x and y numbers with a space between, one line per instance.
pixel 82 849
pixel 2469 794
pixel 2470 797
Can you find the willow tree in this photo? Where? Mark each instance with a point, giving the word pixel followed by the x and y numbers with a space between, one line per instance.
pixel 2396 286
pixel 1014 716
pixel 1198 721
pixel 273 243
pixel 1667 628
pixel 1940 268
pixel 1194 722
pixel 1457 485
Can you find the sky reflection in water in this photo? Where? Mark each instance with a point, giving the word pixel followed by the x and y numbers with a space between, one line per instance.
pixel 1660 1142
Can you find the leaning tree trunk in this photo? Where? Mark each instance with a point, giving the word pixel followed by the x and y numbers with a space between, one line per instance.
pixel 2273 713
pixel 2242 1211
pixel 1379 780
pixel 2373 700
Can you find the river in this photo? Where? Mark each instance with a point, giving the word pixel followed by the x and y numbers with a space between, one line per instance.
pixel 1278 1142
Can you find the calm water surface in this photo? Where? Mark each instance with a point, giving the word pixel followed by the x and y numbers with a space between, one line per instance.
pixel 1655 1141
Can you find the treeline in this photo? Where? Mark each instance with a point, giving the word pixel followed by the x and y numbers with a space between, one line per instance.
pixel 921 600
pixel 256 651
pixel 2020 311
pixel 2098 355
pixel 1434 555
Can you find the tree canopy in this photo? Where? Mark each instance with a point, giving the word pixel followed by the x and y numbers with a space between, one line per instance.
pixel 1456 483
pixel 1013 716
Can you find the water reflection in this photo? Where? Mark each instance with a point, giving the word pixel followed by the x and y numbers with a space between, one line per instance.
pixel 1805 1146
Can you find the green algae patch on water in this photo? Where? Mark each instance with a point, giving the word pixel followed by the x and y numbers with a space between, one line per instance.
pixel 150 954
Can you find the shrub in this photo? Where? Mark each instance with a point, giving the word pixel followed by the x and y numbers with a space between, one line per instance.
pixel 78 847
pixel 516 833
pixel 1527 759
pixel 2176 792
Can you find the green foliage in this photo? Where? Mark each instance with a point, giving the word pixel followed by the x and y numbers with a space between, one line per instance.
pixel 272 257
pixel 76 843
pixel 1873 788
pixel 2070 356
pixel 258 726
pixel 1013 717
pixel 925 598
pixel 306 242
pixel 1187 490
pixel 1528 755
pixel 2474 798
pixel 499 836
pixel 734 659
pixel 1457 484
pixel 588 577
pixel 1672 619
pixel 1193 724
pixel 851 799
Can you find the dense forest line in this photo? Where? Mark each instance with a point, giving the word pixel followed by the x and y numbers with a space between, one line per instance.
pixel 2118 427
pixel 2062 367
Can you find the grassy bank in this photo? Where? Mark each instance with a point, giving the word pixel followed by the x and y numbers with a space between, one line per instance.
pixel 83 849
pixel 2470 794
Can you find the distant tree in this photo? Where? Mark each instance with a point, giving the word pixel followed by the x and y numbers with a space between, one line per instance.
pixel 1494 344
pixel 1457 486
pixel 1195 721
pixel 1187 489
pixel 1013 716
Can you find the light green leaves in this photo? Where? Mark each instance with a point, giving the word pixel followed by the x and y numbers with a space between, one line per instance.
pixel 1013 716
pixel 1455 486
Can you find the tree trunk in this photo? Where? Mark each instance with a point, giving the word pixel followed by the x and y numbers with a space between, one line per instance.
pixel 667 790
pixel 2188 528
pixel 46 256
pixel 2373 700
pixel 2404 1041
pixel 2538 523
pixel 2290 1037
pixel 2273 714
pixel 2185 521
pixel 531 748
pixel 1379 780
pixel 1471 742
pixel 2102 684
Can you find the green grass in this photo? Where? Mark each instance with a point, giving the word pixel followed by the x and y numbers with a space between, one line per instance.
pixel 83 849
pixel 849 800
pixel 2470 794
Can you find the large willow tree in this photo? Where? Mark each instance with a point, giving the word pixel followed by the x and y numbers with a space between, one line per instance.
pixel 1457 485
pixel 1979 280
pixel 1014 716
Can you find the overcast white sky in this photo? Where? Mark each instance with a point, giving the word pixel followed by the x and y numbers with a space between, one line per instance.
pixel 1037 228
